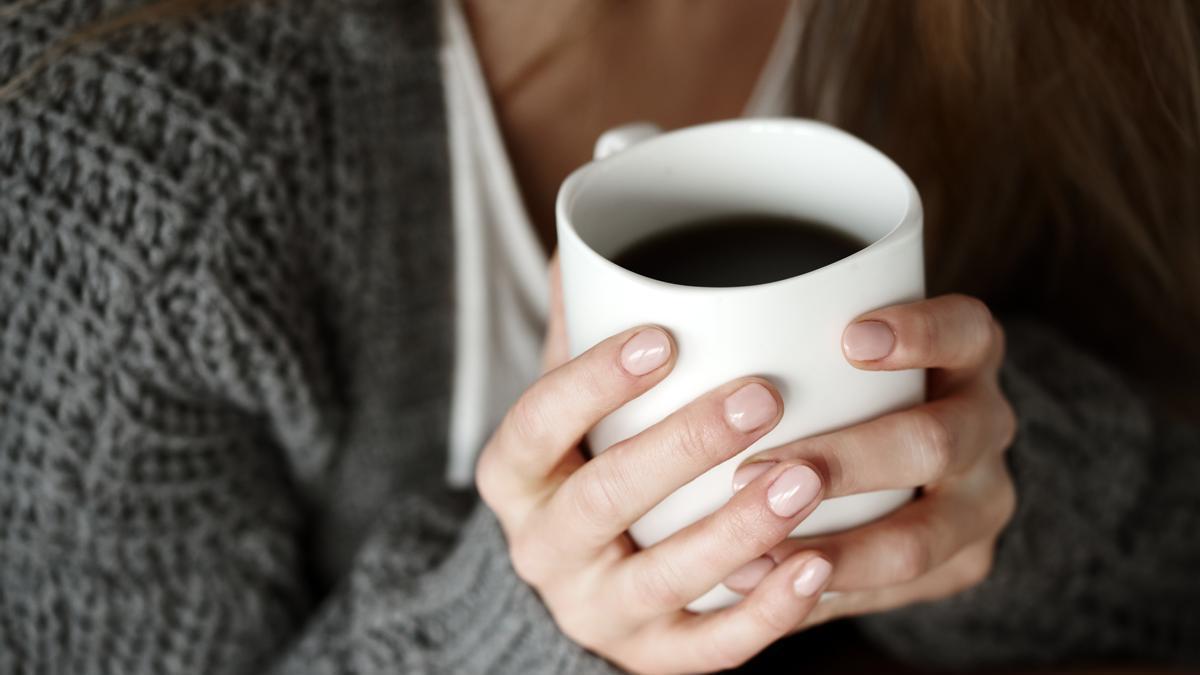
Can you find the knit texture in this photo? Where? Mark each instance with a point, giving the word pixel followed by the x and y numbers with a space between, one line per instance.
pixel 225 334
pixel 1101 558
pixel 225 342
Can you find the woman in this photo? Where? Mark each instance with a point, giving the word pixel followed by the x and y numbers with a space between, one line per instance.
pixel 243 326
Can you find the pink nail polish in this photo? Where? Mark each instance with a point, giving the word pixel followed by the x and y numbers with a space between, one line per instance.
pixel 750 407
pixel 868 341
pixel 793 490
pixel 812 577
pixel 746 473
pixel 748 576
pixel 645 352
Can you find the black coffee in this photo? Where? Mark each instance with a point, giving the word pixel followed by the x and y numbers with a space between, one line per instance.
pixel 738 250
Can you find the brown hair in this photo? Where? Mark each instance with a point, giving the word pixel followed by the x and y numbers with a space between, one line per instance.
pixel 151 11
pixel 1056 146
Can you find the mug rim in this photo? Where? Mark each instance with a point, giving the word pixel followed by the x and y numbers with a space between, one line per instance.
pixel 908 224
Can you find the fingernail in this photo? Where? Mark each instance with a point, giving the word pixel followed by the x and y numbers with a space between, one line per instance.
pixel 793 490
pixel 812 577
pixel 746 473
pixel 750 407
pixel 868 341
pixel 645 351
pixel 747 577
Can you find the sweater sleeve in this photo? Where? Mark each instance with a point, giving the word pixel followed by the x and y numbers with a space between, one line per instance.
pixel 205 305
pixel 430 594
pixel 386 571
pixel 1099 561
pixel 415 586
pixel 426 586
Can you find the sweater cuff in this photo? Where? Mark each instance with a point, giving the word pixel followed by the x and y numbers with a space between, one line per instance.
pixel 432 594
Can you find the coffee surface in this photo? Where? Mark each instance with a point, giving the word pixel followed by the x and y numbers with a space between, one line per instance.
pixel 737 250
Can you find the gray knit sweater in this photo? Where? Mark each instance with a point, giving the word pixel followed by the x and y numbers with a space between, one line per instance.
pixel 225 333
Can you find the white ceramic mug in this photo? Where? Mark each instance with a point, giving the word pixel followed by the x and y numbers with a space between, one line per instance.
pixel 788 331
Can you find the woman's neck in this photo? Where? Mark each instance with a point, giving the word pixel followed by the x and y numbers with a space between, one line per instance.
pixel 561 73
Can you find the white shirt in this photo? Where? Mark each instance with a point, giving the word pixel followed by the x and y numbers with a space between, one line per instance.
pixel 500 267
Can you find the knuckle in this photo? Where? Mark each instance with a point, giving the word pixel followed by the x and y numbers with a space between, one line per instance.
pixel 656 585
pixel 597 501
pixel 485 486
pixel 746 529
pixel 769 619
pixel 909 553
pixel 935 444
pixel 981 325
pixel 978 568
pixel 980 313
pixel 695 438
pixel 925 333
pixel 973 311
pixel 1006 503
pixel 590 383
pixel 486 480
pixel 979 571
pixel 527 420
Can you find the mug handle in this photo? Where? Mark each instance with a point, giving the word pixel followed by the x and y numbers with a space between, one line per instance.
pixel 618 138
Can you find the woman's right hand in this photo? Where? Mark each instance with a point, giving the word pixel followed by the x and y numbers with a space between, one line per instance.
pixel 565 518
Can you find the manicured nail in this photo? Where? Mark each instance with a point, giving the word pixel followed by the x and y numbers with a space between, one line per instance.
pixel 746 473
pixel 868 341
pixel 812 577
pixel 750 407
pixel 793 490
pixel 747 577
pixel 645 351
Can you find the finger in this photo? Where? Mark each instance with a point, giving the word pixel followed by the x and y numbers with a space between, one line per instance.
pixel 921 535
pixel 967 569
pixel 551 417
pixel 605 496
pixel 554 351
pixel 728 638
pixel 915 447
pixel 955 332
pixel 681 568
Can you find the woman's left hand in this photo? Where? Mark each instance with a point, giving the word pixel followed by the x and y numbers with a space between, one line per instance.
pixel 952 447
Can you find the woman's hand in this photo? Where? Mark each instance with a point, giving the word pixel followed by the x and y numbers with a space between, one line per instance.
pixel 952 447
pixel 565 519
